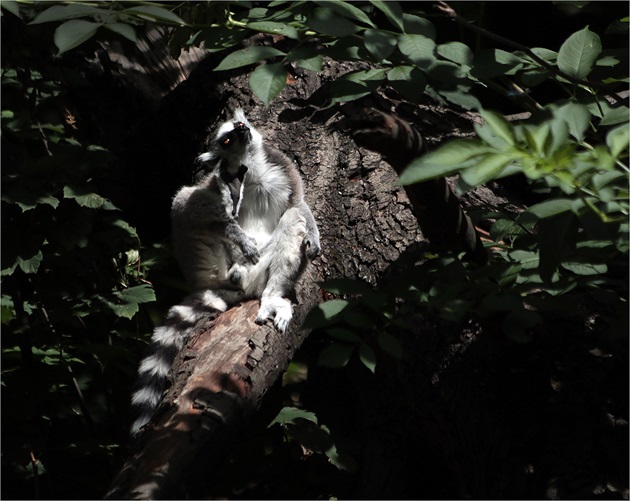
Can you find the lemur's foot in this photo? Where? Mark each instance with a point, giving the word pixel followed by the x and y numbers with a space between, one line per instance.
pixel 277 308
pixel 312 246
pixel 237 275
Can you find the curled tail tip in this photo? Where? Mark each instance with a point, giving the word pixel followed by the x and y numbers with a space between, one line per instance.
pixel 138 424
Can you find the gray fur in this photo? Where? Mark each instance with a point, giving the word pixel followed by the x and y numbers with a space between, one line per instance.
pixel 242 232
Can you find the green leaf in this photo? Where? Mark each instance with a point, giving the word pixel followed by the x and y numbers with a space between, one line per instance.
pixel 617 139
pixel 380 43
pixel 332 307
pixel 245 57
pixel 313 64
pixel 536 136
pixel 267 81
pixel 545 54
pixel 367 356
pixel 400 73
pixel 415 25
pixel 274 28
pixel 218 39
pixel 461 96
pixel 577 117
pixel 487 135
pixel 579 52
pixel 27 200
pixel 345 335
pixel 306 57
pixel 90 200
pixel 527 259
pixel 419 49
pixel 127 301
pixel 288 415
pixel 392 11
pixel 558 140
pixel 7 309
pixel 326 21
pixel 486 169
pixel 126 30
pixel 446 160
pixel 30 265
pixel 446 71
pixel 457 52
pixel 346 49
pixel 535 77
pixel 12 7
pixel 551 208
pixel 335 356
pixel 154 13
pixel 71 34
pixel 72 11
pixel 489 63
pixel 341 460
pixel 615 116
pixel 139 294
pixel 585 269
pixel 346 9
pixel 602 179
pixel 324 313
pixel 408 81
pixel 499 125
pixel 390 344
pixel 356 84
pixel 363 76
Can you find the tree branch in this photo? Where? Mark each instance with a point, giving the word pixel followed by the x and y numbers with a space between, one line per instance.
pixel 438 210
pixel 220 379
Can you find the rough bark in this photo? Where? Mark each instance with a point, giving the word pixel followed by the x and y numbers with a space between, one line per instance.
pixel 438 210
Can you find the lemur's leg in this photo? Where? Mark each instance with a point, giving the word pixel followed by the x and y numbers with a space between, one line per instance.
pixel 273 277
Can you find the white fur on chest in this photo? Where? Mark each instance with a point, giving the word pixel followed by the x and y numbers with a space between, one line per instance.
pixel 265 198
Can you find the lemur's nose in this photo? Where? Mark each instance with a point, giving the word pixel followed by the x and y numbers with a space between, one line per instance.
pixel 240 127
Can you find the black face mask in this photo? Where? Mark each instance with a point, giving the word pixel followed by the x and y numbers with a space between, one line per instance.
pixel 238 137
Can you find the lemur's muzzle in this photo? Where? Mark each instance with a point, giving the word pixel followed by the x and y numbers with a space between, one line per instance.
pixel 239 135
pixel 241 129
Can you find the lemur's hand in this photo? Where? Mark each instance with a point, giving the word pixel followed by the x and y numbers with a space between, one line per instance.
pixel 250 249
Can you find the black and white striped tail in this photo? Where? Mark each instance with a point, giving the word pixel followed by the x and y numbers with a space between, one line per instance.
pixel 166 343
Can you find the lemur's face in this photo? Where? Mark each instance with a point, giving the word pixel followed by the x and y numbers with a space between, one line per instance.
pixel 235 139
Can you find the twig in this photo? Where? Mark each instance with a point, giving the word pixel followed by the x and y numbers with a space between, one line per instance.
pixel 45 141
pixel 34 466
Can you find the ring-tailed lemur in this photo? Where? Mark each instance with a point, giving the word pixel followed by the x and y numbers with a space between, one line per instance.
pixel 242 232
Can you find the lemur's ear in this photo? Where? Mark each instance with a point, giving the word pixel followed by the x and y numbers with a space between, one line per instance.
pixel 206 157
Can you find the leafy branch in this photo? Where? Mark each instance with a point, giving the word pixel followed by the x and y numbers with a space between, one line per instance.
pixel 450 12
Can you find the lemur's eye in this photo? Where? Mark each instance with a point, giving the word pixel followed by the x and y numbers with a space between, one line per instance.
pixel 239 124
pixel 226 141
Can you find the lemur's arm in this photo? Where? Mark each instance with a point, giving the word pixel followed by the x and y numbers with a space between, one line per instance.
pixel 209 210
pixel 234 233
